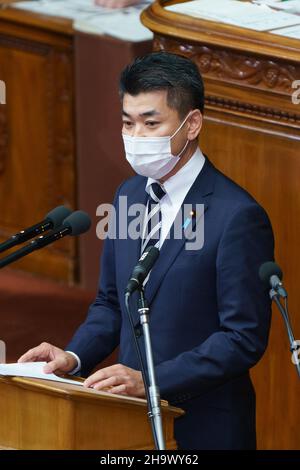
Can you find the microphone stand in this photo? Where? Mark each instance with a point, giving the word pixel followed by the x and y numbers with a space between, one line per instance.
pixel 143 371
pixel 294 345
pixel 143 310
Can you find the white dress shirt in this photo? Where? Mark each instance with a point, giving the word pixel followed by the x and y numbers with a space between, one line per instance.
pixel 176 189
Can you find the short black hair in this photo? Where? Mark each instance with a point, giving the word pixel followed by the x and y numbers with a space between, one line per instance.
pixel 176 74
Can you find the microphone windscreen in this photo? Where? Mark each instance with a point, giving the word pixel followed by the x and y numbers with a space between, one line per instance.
pixel 79 222
pixel 142 269
pixel 58 215
pixel 151 255
pixel 269 269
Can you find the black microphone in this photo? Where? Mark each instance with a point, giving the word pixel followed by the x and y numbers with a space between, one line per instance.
pixel 271 274
pixel 75 224
pixel 142 269
pixel 53 220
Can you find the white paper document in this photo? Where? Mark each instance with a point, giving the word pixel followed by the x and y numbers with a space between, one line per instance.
pixel 59 8
pixel 290 32
pixel 34 370
pixel 121 23
pixel 291 6
pixel 234 12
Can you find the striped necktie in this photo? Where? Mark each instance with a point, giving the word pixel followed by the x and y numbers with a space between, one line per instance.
pixel 152 224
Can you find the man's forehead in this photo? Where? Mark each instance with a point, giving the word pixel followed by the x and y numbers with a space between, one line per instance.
pixel 146 104
pixel 156 96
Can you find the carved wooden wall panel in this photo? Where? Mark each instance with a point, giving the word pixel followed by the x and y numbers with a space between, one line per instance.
pixel 3 138
pixel 37 154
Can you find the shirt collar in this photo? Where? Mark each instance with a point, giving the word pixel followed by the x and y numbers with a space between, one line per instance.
pixel 181 182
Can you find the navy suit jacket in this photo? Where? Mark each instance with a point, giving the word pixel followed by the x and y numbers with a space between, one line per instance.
pixel 209 312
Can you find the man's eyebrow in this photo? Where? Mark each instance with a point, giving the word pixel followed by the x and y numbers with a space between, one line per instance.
pixel 152 112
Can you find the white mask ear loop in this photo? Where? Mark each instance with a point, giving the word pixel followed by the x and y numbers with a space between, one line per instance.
pixel 187 142
pixel 184 148
pixel 181 125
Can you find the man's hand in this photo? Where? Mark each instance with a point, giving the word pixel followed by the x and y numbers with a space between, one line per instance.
pixel 116 3
pixel 58 360
pixel 119 379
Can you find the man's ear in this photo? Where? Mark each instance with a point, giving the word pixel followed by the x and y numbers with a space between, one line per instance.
pixel 195 123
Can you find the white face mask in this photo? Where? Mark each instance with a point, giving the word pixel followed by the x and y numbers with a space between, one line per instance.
pixel 152 156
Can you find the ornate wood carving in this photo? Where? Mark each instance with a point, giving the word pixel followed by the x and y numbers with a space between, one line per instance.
pixel 61 177
pixel 24 45
pixel 63 156
pixel 256 110
pixel 232 66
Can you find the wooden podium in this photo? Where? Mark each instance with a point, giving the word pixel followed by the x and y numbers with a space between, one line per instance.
pixel 41 414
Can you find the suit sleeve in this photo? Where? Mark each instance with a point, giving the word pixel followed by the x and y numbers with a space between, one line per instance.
pixel 244 311
pixel 99 335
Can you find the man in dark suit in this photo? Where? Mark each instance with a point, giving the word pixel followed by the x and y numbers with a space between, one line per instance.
pixel 210 314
